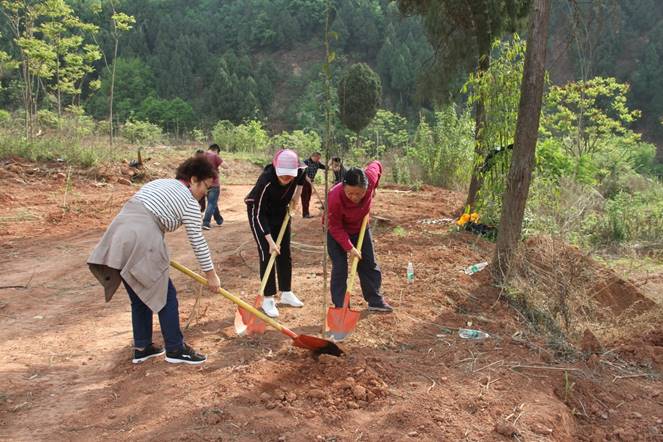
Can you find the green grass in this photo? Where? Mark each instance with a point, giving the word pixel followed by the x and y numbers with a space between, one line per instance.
pixel 70 151
pixel 21 215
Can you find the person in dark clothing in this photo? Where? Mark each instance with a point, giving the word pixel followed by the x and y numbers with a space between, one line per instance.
pixel 212 210
pixel 312 166
pixel 279 185
pixel 349 202
pixel 201 201
pixel 338 169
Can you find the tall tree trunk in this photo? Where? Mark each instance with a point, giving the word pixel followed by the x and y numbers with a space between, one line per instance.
pixel 527 129
pixel 112 89
pixel 479 135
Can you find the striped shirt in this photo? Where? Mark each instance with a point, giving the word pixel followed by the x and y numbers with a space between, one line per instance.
pixel 172 204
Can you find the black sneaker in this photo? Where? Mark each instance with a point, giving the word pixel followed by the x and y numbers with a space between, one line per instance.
pixel 186 355
pixel 380 306
pixel 149 352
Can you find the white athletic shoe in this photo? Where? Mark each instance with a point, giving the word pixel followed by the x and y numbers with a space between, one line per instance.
pixel 269 307
pixel 291 299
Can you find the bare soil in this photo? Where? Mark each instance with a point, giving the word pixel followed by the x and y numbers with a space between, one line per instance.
pixel 65 365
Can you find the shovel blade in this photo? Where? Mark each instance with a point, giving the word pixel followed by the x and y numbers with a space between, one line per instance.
pixel 317 345
pixel 246 323
pixel 341 321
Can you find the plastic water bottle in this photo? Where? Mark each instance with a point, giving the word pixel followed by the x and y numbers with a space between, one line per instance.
pixel 467 333
pixel 475 268
pixel 410 272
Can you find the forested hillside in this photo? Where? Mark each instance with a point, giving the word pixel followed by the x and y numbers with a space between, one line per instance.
pixel 187 64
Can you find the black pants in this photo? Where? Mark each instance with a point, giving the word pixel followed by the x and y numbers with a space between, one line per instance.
pixel 307 190
pixel 370 276
pixel 283 262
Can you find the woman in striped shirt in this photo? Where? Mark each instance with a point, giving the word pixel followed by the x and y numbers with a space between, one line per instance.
pixel 133 252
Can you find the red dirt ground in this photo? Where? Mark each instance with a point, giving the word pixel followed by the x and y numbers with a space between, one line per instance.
pixel 65 354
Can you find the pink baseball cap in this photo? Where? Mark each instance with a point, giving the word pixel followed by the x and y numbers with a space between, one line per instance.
pixel 286 162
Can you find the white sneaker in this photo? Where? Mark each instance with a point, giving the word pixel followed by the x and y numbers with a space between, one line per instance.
pixel 269 307
pixel 289 298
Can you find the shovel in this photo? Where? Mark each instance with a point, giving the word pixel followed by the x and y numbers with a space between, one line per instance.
pixel 245 322
pixel 316 345
pixel 322 205
pixel 342 320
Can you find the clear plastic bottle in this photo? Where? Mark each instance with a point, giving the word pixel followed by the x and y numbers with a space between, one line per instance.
pixel 410 272
pixel 467 333
pixel 475 268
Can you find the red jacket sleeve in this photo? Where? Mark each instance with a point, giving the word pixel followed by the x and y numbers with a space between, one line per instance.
pixel 374 172
pixel 336 223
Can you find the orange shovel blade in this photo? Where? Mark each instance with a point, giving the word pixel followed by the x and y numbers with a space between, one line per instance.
pixel 246 323
pixel 341 321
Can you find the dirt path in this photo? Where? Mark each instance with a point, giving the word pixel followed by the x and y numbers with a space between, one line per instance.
pixel 65 354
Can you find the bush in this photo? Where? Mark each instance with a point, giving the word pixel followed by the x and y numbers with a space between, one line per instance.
pixel 305 143
pixel 247 137
pixel 136 131
pixel 445 148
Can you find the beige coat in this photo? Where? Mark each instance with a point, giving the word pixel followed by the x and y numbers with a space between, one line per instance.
pixel 133 248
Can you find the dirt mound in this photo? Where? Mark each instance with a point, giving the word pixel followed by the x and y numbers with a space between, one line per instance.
pixel 569 288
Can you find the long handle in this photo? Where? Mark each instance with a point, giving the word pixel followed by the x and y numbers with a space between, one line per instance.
pixel 317 194
pixel 355 261
pixel 232 298
pixel 272 258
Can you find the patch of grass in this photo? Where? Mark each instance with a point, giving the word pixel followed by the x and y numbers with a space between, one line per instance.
pixel 400 232
pixel 20 216
pixel 70 151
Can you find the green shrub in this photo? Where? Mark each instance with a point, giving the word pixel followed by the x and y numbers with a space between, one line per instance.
pixel 136 131
pixel 305 143
pixel 247 137
pixel 444 149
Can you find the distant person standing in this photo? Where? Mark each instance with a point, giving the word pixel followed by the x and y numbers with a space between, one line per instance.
pixel 202 201
pixel 312 165
pixel 215 160
pixel 338 169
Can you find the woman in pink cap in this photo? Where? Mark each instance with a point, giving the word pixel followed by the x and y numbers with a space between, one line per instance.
pixel 279 183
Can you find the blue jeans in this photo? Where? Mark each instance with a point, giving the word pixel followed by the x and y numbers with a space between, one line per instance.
pixel 169 319
pixel 212 207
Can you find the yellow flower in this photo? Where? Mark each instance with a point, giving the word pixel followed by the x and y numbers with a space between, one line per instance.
pixel 463 219
pixel 474 217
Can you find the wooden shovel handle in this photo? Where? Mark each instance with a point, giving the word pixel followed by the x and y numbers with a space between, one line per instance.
pixel 355 261
pixel 232 298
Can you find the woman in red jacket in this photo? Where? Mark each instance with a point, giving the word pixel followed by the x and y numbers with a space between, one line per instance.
pixel 349 202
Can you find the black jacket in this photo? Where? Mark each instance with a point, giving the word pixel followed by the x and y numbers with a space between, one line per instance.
pixel 268 201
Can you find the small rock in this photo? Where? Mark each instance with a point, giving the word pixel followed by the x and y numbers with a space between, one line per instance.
pixel 359 392
pixel 213 416
pixel 413 434
pixel 265 397
pixel 637 415
pixel 270 405
pixel 590 344
pixel 281 438
pixel 350 380
pixel 352 405
pixel 279 394
pixel 124 181
pixel 541 429
pixel 316 394
pixel 505 429
pixel 290 397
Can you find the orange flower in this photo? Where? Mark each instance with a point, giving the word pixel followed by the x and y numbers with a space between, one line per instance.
pixel 463 219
